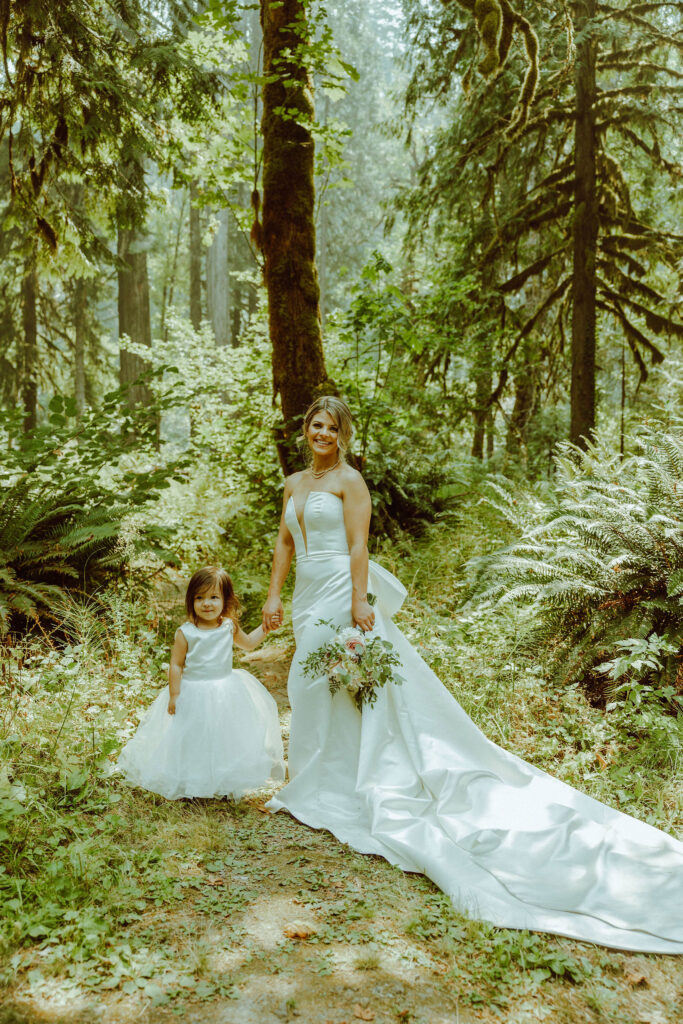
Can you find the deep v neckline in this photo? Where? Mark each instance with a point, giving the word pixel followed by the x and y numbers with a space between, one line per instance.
pixel 301 523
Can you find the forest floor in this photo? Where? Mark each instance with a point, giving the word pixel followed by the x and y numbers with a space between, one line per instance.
pixel 136 909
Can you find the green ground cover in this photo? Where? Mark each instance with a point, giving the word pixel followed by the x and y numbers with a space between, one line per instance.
pixel 118 905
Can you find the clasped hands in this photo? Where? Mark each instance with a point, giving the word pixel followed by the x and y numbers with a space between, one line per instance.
pixel 272 615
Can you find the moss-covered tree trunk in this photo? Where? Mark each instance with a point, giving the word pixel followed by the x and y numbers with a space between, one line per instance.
pixel 79 315
pixel 288 228
pixel 482 374
pixel 218 280
pixel 195 261
pixel 134 315
pixel 582 414
pixel 29 355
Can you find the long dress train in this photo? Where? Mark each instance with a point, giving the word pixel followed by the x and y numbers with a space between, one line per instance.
pixel 414 780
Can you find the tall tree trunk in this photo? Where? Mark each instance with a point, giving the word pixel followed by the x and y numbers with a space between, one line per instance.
pixel 218 281
pixel 322 261
pixel 522 410
pixel 236 312
pixel 134 314
pixel 323 224
pixel 29 355
pixel 288 235
pixel 582 416
pixel 482 395
pixel 490 432
pixel 195 261
pixel 79 317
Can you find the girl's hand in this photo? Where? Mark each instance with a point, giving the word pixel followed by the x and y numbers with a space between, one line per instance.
pixel 171 706
pixel 362 614
pixel 273 614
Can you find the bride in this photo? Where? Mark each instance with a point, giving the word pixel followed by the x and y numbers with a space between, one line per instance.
pixel 413 779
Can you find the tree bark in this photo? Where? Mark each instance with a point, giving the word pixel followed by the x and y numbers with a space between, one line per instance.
pixel 78 313
pixel 322 262
pixel 195 261
pixel 482 395
pixel 134 312
pixel 29 355
pixel 323 224
pixel 236 312
pixel 525 399
pixel 288 235
pixel 582 415
pixel 218 281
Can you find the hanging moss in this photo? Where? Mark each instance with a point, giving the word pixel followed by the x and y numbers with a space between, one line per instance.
pixel 496 22
pixel 488 15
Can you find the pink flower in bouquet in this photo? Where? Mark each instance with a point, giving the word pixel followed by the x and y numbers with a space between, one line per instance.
pixel 354 642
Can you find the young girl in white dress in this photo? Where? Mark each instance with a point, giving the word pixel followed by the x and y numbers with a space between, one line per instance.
pixel 216 732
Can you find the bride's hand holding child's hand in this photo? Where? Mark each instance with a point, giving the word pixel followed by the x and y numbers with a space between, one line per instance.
pixel 272 615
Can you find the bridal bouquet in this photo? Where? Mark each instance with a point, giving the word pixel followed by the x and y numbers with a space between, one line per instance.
pixel 355 663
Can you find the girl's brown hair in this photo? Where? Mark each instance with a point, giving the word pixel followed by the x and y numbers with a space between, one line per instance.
pixel 213 576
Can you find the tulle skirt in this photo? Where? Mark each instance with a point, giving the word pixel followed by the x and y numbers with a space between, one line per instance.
pixel 224 740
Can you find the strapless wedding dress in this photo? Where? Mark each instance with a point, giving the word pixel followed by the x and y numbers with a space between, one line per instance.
pixel 414 780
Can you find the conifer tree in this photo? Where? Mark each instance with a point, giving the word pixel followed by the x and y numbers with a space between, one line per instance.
pixel 570 146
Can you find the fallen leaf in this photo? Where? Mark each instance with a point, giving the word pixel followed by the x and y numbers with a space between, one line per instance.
pixel 600 759
pixel 636 978
pixel 362 1013
pixel 299 930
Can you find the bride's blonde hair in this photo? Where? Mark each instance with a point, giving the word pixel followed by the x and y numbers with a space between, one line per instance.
pixel 340 413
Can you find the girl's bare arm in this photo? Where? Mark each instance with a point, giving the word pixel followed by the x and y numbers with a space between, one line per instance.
pixel 248 641
pixel 175 669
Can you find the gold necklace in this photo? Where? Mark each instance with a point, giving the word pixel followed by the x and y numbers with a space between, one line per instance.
pixel 323 471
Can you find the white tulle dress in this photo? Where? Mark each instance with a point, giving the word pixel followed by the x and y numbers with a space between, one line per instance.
pixel 415 780
pixel 224 739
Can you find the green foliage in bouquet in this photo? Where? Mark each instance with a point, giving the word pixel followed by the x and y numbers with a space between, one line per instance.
pixel 355 664
pixel 71 493
pixel 599 562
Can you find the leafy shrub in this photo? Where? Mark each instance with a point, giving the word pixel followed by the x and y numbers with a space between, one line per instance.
pixel 70 490
pixel 599 560
pixel 412 469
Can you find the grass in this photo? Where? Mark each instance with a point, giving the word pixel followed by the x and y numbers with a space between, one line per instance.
pixel 119 904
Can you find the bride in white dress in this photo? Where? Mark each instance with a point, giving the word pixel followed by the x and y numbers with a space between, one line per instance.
pixel 413 779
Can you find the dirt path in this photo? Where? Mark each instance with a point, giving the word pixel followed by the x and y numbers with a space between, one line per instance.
pixel 252 918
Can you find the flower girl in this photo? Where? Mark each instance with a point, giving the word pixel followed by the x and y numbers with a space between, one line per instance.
pixel 216 733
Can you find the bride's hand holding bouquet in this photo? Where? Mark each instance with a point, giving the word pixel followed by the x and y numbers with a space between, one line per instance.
pixel 354 662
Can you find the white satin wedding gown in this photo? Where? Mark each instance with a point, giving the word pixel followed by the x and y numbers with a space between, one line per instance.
pixel 414 780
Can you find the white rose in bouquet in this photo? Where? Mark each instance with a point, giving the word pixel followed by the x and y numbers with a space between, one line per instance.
pixel 356 663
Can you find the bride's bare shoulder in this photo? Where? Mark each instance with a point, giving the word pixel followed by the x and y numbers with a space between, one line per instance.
pixel 352 481
pixel 291 481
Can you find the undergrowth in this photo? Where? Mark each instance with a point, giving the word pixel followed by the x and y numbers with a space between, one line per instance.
pixel 111 890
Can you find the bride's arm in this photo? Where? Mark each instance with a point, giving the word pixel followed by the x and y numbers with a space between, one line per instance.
pixel 357 511
pixel 273 612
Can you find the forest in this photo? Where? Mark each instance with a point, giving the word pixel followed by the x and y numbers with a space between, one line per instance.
pixel 465 218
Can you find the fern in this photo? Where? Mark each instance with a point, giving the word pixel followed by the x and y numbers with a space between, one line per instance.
pixel 599 561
